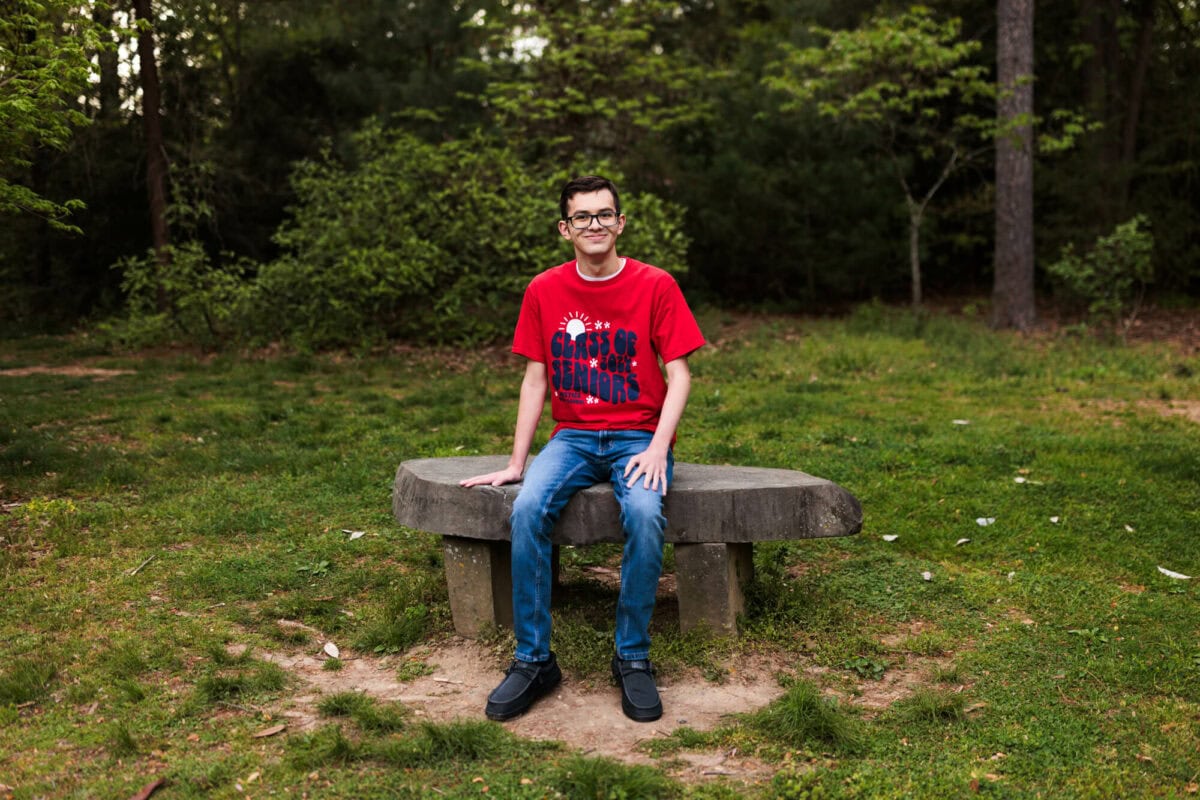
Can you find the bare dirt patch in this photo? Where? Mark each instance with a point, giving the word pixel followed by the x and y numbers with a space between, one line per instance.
pixel 582 713
pixel 69 370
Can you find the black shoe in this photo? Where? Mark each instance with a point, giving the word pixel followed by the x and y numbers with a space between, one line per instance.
pixel 523 683
pixel 639 695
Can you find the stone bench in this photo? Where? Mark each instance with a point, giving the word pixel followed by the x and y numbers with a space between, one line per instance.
pixel 714 516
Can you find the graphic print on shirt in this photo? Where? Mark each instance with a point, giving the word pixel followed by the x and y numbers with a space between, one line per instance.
pixel 592 362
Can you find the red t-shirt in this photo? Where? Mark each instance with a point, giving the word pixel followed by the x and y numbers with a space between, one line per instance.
pixel 601 342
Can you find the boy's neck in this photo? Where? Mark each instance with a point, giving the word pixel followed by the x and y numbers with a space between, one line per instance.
pixel 598 266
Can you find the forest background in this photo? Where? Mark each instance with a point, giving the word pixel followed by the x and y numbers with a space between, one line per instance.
pixel 337 174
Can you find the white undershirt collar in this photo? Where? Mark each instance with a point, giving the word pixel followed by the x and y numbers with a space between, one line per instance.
pixel 603 278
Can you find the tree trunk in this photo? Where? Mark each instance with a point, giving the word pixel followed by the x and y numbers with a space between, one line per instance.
pixel 1013 304
pixel 914 251
pixel 109 63
pixel 1135 96
pixel 156 157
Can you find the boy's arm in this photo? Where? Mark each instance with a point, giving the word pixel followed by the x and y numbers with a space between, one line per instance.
pixel 651 463
pixel 529 411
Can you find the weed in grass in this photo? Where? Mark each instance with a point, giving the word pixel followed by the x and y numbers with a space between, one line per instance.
pixel 604 778
pixel 342 704
pixel 261 679
pixel 405 618
pixel 798 783
pixel 376 718
pixel 365 711
pixel 223 656
pixel 26 680
pixel 683 738
pixel 947 674
pixel 119 741
pixel 124 660
pixel 932 705
pixel 802 716
pixel 866 667
pixel 332 665
pixel 323 747
pixel 412 669
pixel 439 745
pixel 928 643
pixel 130 690
pixel 316 569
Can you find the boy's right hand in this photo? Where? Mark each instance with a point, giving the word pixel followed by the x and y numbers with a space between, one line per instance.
pixel 497 478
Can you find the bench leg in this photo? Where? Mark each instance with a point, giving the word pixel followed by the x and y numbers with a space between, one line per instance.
pixel 479 578
pixel 710 580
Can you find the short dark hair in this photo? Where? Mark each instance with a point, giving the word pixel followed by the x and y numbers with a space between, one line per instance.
pixel 583 184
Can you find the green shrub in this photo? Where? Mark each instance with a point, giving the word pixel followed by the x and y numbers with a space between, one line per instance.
pixel 1111 276
pixel 189 298
pixel 427 242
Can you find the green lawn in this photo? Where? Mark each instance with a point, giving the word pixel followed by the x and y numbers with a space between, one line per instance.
pixel 151 518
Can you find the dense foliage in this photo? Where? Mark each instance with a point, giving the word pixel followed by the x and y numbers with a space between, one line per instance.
pixel 264 106
pixel 403 239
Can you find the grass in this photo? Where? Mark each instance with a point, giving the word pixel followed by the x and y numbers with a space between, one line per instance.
pixel 156 527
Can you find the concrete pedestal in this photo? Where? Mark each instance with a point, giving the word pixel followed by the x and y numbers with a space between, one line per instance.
pixel 710 581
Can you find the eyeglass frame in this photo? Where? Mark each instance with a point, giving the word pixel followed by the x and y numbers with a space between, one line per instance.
pixel 578 215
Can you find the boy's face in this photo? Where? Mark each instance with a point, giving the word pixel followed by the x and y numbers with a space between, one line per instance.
pixel 595 238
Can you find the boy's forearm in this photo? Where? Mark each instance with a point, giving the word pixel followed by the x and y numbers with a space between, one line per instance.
pixel 679 386
pixel 529 413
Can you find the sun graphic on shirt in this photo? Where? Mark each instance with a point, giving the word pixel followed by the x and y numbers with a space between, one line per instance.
pixel 575 323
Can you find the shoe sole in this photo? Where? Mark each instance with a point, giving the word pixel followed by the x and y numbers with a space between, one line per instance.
pixel 504 716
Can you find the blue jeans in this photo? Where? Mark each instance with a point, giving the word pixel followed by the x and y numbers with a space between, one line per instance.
pixel 573 460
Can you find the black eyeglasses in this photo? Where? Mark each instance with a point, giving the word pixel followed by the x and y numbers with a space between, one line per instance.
pixel 582 221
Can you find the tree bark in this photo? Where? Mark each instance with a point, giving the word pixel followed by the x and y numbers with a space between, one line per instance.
pixel 1135 96
pixel 110 78
pixel 156 157
pixel 914 253
pixel 1013 303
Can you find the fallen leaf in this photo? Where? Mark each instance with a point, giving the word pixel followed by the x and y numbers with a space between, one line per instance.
pixel 1144 757
pixel 889 537
pixel 961 542
pixel 149 789
pixel 332 650
pixel 974 708
pixel 271 731
pixel 526 781
pixel 1176 575
pixel 983 522
pixel 252 777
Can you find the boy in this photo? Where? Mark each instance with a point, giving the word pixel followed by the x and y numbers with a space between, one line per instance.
pixel 594 330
